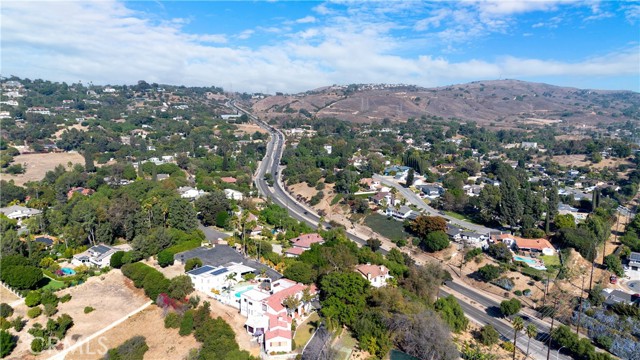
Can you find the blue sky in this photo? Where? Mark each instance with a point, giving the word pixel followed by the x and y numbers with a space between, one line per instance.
pixel 294 46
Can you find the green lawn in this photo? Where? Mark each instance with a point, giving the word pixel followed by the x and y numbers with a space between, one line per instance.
pixel 305 330
pixel 550 260
pixel 345 346
pixel 336 199
pixel 389 228
pixel 456 215
pixel 53 284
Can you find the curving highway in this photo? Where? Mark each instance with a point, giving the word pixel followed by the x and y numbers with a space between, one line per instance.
pixel 476 306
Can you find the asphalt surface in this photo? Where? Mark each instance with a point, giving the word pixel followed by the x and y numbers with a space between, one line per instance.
pixel 417 201
pixel 488 315
pixel 317 348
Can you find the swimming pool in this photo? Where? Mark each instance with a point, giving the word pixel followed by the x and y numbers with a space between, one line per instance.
pixel 243 290
pixel 527 260
pixel 68 271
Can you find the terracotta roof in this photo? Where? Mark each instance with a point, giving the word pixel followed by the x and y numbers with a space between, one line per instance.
pixel 305 241
pixel 295 251
pixel 272 334
pixel 229 179
pixel 537 244
pixel 275 300
pixel 373 270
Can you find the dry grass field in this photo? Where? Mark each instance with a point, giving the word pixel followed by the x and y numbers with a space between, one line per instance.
pixel 37 165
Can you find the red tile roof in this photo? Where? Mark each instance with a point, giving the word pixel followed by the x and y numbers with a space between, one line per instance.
pixel 373 270
pixel 295 251
pixel 229 179
pixel 305 241
pixel 272 334
pixel 537 244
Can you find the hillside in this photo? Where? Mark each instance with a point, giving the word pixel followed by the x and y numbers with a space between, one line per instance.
pixel 507 103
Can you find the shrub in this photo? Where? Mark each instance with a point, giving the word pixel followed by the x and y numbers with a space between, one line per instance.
pixel 4 324
pixel 116 260
pixel 172 320
pixel 5 310
pixel 34 312
pixel 179 287
pixel 510 307
pixel 88 309
pixel 504 283
pixel 7 343
pixel 131 257
pixel 192 263
pixel 518 293
pixel 489 335
pixel 50 309
pixel 32 299
pixel 132 349
pixel 48 297
pixel 21 277
pixel 165 258
pixel 18 324
pixel 37 345
pixel 489 272
pixel 186 325
pixel 65 298
pixel 508 346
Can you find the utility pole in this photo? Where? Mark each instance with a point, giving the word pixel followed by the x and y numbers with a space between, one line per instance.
pixel 580 307
pixel 555 303
pixel 593 264
pixel 546 288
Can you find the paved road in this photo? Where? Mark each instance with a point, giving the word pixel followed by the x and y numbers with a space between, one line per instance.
pixel 316 348
pixel 302 213
pixel 417 201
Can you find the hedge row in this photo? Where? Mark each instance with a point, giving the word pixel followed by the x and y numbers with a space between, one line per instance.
pixel 165 257
pixel 144 276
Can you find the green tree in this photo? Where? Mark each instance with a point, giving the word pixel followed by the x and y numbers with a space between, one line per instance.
pixel 410 177
pixel 532 332
pixel 21 277
pixel 89 166
pixel 489 335
pixel 343 296
pixel 7 343
pixel 186 326
pixel 210 205
pixel 165 258
pixel 452 313
pixel 518 325
pixel 435 241
pixel 565 221
pixel 511 207
pixel 510 307
pixel 181 215
pixel 300 272
pixel 489 272
pixel 613 264
pixel 423 225
pixel 180 287
pixel 192 264
pixel 116 259
pixel 500 251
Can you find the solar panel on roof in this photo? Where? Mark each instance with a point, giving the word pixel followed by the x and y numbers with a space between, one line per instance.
pixel 220 271
pixel 201 270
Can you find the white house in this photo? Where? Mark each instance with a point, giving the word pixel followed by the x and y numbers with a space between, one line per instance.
pixel 328 149
pixel 402 213
pixel 17 212
pixel 209 279
pixel 98 255
pixel 377 275
pixel 634 261
pixel 233 194
pixel 187 192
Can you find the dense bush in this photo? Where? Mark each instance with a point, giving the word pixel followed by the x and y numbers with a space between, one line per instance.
pixel 504 283
pixel 510 307
pixel 165 258
pixel 21 276
pixel 192 263
pixel 50 309
pixel 132 349
pixel 116 260
pixel 452 313
pixel 7 343
pixel 88 309
pixel 186 325
pixel 489 272
pixel 172 320
pixel 143 276
pixel 5 310
pixel 34 312
pixel 65 298
pixel 489 335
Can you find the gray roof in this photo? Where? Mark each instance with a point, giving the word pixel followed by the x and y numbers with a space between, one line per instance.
pixel 44 240
pixel 453 230
pixel 617 296
pixel 211 234
pixel 101 249
pixel 221 255
pixel 634 256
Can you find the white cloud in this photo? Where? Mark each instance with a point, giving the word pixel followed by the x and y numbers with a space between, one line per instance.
pixel 306 20
pixel 41 40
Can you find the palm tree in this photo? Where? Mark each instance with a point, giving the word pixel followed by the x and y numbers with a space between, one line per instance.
pixel 306 298
pixel 518 325
pixel 531 332
pixel 291 303
pixel 230 279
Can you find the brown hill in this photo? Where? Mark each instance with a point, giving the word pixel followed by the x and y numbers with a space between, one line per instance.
pixel 505 103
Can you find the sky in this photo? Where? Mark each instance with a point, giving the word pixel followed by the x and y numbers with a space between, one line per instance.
pixel 293 46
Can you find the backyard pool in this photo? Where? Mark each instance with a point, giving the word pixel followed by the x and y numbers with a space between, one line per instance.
pixel 243 290
pixel 529 261
pixel 67 271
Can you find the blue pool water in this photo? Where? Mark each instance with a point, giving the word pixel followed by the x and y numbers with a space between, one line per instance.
pixel 527 260
pixel 243 290
pixel 68 271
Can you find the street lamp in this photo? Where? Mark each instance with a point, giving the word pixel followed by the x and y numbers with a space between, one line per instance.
pixel 558 354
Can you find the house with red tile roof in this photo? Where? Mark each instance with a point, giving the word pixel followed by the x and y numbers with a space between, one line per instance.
pixel 228 180
pixel 377 275
pixel 268 318
pixel 303 243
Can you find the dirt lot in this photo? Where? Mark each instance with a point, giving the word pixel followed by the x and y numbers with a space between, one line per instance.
pixel 38 164
pixel 170 271
pixel 496 350
pixel 580 160
pixel 148 323
pixel 7 296
pixel 250 129
pixel 111 295
pixel 235 320
pixel 58 133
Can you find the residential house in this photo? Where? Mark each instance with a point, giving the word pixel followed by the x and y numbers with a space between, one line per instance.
pixel 536 245
pixel 402 213
pixel 490 181
pixel 303 243
pixel 377 275
pixel 454 232
pixel 474 239
pixel 268 319
pixel 328 149
pixel 187 192
pixel 472 190
pixel 46 241
pixel 98 255
pixel 634 261
pixel 395 170
pixel 79 190
pixel 529 145
pixel 431 191
pixel 17 212
pixel 369 183
pixel 233 194
pixel 228 180
pixel 380 197
pixel 210 279
pixel 613 297
pixel 161 177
